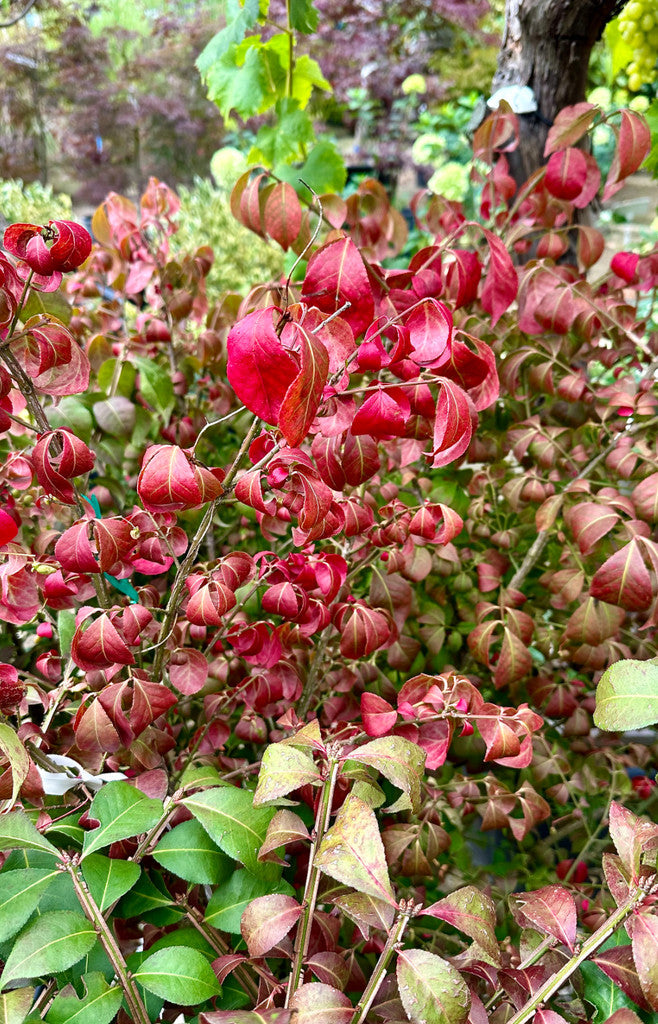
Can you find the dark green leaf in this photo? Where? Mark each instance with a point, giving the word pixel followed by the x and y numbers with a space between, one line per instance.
pixel 229 900
pixel 602 992
pixel 20 893
pixel 149 899
pixel 99 1005
pixel 65 631
pixel 70 412
pixel 50 944
pixel 180 975
pixel 123 812
pixel 231 820
pixel 189 852
pixel 303 16
pixel 108 879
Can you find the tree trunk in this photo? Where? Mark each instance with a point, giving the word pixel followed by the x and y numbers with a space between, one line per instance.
pixel 547 46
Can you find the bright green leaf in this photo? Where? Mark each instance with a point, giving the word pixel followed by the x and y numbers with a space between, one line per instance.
pixel 50 944
pixel 65 631
pixel 189 852
pixel 627 696
pixel 126 382
pixel 231 820
pixel 286 139
pixel 323 170
pixel 123 812
pixel 181 975
pixel 108 879
pixel 431 990
pixel 603 993
pixel 240 17
pixel 20 893
pixel 18 832
pixel 53 304
pixel 246 79
pixel 99 1005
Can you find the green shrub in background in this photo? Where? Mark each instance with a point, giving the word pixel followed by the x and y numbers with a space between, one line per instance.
pixel 205 219
pixel 31 204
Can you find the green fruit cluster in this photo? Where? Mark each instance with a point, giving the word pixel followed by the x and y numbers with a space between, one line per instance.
pixel 638 25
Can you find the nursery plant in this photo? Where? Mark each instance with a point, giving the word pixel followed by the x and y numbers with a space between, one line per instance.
pixel 306 595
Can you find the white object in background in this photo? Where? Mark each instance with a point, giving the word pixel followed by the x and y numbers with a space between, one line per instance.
pixel 58 783
pixel 521 99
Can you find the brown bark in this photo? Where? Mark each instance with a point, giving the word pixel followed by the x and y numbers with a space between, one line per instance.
pixel 547 45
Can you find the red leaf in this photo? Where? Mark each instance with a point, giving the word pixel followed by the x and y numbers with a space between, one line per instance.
pixel 566 173
pixel 591 244
pixel 336 274
pixel 360 458
pixel 383 414
pixel 363 630
pixel 188 670
pixel 209 603
pixel 589 522
pixel 377 715
pixel 8 527
pixel 430 331
pixel 283 214
pixel 501 283
pixel 552 910
pixel 624 580
pixel 99 645
pixel 55 469
pixel 515 660
pixel 170 480
pixel 453 425
pixel 645 498
pixel 302 398
pixel 619 966
pixel 633 144
pixel 259 369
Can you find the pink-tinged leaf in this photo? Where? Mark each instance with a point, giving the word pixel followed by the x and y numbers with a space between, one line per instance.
pixel 95 732
pixel 569 126
pixel 150 700
pixel 453 424
pixel 430 331
pixel 432 990
pixel 283 214
pixel 352 851
pixel 285 827
pixel 377 715
pixel 566 173
pixel 551 910
pixel 99 645
pixel 645 955
pixel 624 580
pixel 624 265
pixel 303 397
pixel 548 1017
pixel 501 283
pixel 58 457
pixel 272 1016
pixel 633 144
pixel 628 833
pixel 267 920
pixel 366 911
pixel 589 522
pixel 624 1016
pixel 188 670
pixel 590 246
pixel 645 498
pixel 617 878
pixel 336 274
pixel 208 605
pixel 318 1003
pixel 170 480
pixel 471 912
pixel 399 761
pixel 259 369
pixel 514 662
pixel 284 769
pixel 618 964
pixel 330 969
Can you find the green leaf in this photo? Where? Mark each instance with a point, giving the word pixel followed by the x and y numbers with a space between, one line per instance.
pixel 651 162
pixel 283 769
pixel 247 79
pixel 285 140
pixel 65 631
pixel 50 944
pixel 123 812
pixel 323 170
pixel 99 1005
pixel 71 413
pixel 352 851
pixel 20 893
pixel 126 383
pixel 240 17
pixel 181 975
pixel 155 385
pixel 54 304
pixel 108 879
pixel 400 761
pixel 189 852
pixel 149 896
pixel 627 696
pixel 18 832
pixel 231 820
pixel 303 16
pixel 18 758
pixel 15 1005
pixel 431 990
pixel 228 902
pixel 603 993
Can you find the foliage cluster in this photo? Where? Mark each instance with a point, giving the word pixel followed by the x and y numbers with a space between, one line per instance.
pixel 308 591
pixel 30 203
